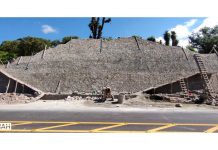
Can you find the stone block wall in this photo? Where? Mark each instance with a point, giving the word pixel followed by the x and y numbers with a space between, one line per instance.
pixel 90 64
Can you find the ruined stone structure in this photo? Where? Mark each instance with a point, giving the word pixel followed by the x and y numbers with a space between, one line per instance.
pixel 124 64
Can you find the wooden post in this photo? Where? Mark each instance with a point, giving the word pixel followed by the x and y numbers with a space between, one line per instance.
pixel 9 81
pixel 19 60
pixel 171 88
pixel 58 87
pixel 187 84
pixel 137 42
pixel 185 54
pixel 101 45
pixel 1 61
pixel 7 64
pixel 27 66
pixel 15 89
pixel 43 52
pixel 22 88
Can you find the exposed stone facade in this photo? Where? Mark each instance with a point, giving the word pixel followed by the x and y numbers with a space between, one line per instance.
pixel 125 64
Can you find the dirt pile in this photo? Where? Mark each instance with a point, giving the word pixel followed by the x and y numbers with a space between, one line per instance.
pixel 12 98
pixel 72 98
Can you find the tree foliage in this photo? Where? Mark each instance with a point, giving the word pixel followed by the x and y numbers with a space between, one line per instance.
pixel 6 56
pixel 189 47
pixel 205 40
pixel 137 36
pixel 175 42
pixel 30 45
pixel 167 38
pixel 96 27
pixel 151 38
pixel 27 46
pixel 55 43
pixel 68 38
pixel 160 42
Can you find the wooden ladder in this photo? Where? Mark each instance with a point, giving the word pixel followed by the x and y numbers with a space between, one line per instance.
pixel 184 87
pixel 204 75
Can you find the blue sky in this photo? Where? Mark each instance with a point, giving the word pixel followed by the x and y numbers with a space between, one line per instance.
pixel 56 28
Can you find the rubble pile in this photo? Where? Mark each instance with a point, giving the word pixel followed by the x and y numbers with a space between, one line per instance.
pixel 12 98
pixel 72 98
pixel 179 98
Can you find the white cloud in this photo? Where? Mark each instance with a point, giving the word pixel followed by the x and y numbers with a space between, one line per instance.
pixel 191 22
pixel 46 29
pixel 160 38
pixel 185 30
pixel 208 22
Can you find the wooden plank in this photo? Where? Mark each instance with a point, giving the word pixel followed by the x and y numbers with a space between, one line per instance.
pixel 15 89
pixel 19 60
pixel 9 81
pixel 58 87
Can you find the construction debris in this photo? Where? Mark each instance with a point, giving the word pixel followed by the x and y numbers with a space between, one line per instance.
pixel 12 98
pixel 106 93
pixel 73 98
pixel 178 105
pixel 121 98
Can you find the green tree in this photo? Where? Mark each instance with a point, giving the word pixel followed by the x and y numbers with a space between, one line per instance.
pixel 31 45
pixel 55 43
pixel 189 47
pixel 6 56
pixel 161 42
pixel 9 46
pixel 96 27
pixel 151 38
pixel 174 38
pixel 166 37
pixel 205 39
pixel 137 36
pixel 68 38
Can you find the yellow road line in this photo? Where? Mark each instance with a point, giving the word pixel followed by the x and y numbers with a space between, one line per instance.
pixel 118 131
pixel 129 123
pixel 211 130
pixel 64 131
pixel 51 127
pixel 24 123
pixel 161 128
pixel 88 131
pixel 109 127
pixel 18 130
pixel 126 123
pixel 186 124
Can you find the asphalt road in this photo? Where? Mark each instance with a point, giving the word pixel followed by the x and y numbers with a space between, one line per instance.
pixel 112 116
pixel 111 121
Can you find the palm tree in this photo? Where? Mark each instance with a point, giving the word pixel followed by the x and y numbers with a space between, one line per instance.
pixel 167 38
pixel 97 28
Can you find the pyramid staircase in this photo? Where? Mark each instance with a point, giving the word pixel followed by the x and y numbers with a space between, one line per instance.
pixel 203 71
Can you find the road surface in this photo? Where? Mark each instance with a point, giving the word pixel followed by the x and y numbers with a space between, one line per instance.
pixel 110 121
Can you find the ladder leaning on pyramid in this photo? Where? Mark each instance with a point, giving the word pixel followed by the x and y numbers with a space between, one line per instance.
pixel 207 85
pixel 184 88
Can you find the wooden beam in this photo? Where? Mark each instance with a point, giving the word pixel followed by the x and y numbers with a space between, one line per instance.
pixel 22 88
pixel 7 64
pixel 101 45
pixel 43 52
pixel 19 60
pixel 15 89
pixel 9 81
pixel 58 87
